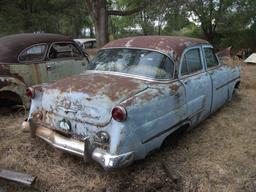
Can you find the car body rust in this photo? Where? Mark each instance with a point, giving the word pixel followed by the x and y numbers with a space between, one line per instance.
pixel 116 117
pixel 170 45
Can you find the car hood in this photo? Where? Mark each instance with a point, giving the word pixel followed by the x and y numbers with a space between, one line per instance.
pixel 89 97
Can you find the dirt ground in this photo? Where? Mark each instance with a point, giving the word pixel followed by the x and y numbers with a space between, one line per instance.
pixel 218 155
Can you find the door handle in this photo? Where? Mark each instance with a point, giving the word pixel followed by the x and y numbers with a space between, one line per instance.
pixel 49 68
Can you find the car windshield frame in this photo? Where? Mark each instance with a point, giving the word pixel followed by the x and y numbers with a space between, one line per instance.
pixel 164 57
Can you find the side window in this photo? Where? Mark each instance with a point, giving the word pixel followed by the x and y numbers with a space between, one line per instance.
pixel 168 67
pixel 63 50
pixel 210 58
pixel 184 66
pixel 191 62
pixel 33 54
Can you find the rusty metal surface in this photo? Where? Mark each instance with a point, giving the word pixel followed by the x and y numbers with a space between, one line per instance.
pixel 154 108
pixel 80 99
pixel 98 84
pixel 11 46
pixel 17 177
pixel 170 45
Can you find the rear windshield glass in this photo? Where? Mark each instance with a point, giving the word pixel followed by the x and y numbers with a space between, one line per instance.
pixel 134 61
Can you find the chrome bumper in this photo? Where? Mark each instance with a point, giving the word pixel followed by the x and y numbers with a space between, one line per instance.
pixel 82 148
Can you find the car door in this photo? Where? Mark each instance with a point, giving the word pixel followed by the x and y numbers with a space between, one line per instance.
pixel 197 83
pixel 65 59
pixel 219 77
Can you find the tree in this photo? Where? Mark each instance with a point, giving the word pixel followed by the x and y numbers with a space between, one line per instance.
pixel 157 18
pixel 209 13
pixel 100 11
pixel 52 16
pixel 238 28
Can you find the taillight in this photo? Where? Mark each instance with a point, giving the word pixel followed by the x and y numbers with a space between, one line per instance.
pixel 119 113
pixel 30 92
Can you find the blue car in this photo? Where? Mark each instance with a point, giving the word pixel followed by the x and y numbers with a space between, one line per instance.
pixel 136 93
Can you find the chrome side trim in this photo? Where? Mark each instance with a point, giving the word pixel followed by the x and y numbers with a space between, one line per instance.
pixel 170 130
pixel 196 112
pixel 230 81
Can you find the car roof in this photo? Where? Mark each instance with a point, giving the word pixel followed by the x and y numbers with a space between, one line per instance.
pixel 170 45
pixel 84 40
pixel 12 45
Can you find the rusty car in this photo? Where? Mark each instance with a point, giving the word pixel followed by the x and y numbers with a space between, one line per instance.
pixel 136 93
pixel 28 59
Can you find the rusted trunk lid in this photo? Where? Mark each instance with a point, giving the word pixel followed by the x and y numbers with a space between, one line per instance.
pixel 89 97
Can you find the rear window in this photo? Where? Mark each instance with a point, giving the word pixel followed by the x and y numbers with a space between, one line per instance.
pixel 134 61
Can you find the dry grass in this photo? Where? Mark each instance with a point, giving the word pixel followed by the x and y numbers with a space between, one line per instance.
pixel 218 155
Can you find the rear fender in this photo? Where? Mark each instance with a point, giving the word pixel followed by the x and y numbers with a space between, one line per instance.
pixel 16 86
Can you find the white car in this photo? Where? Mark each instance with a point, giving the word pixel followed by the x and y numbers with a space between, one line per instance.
pixel 86 43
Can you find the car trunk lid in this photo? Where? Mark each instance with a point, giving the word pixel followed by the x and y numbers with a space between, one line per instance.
pixel 90 97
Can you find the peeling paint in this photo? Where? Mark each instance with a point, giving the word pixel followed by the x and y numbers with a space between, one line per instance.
pixel 153 108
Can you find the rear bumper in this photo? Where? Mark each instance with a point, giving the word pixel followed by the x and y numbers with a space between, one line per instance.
pixel 82 148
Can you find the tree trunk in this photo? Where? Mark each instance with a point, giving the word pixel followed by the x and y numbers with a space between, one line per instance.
pixel 99 14
pixel 101 25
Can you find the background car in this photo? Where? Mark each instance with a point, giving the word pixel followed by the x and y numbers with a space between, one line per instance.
pixel 28 59
pixel 86 43
pixel 89 46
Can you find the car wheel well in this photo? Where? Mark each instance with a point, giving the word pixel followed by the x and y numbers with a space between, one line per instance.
pixel 172 138
pixel 9 98
pixel 235 89
pixel 237 85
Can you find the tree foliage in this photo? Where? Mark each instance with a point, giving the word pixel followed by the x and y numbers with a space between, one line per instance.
pixel 55 16
pixel 222 22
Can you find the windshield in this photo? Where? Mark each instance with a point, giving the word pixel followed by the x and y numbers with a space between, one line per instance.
pixel 134 61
